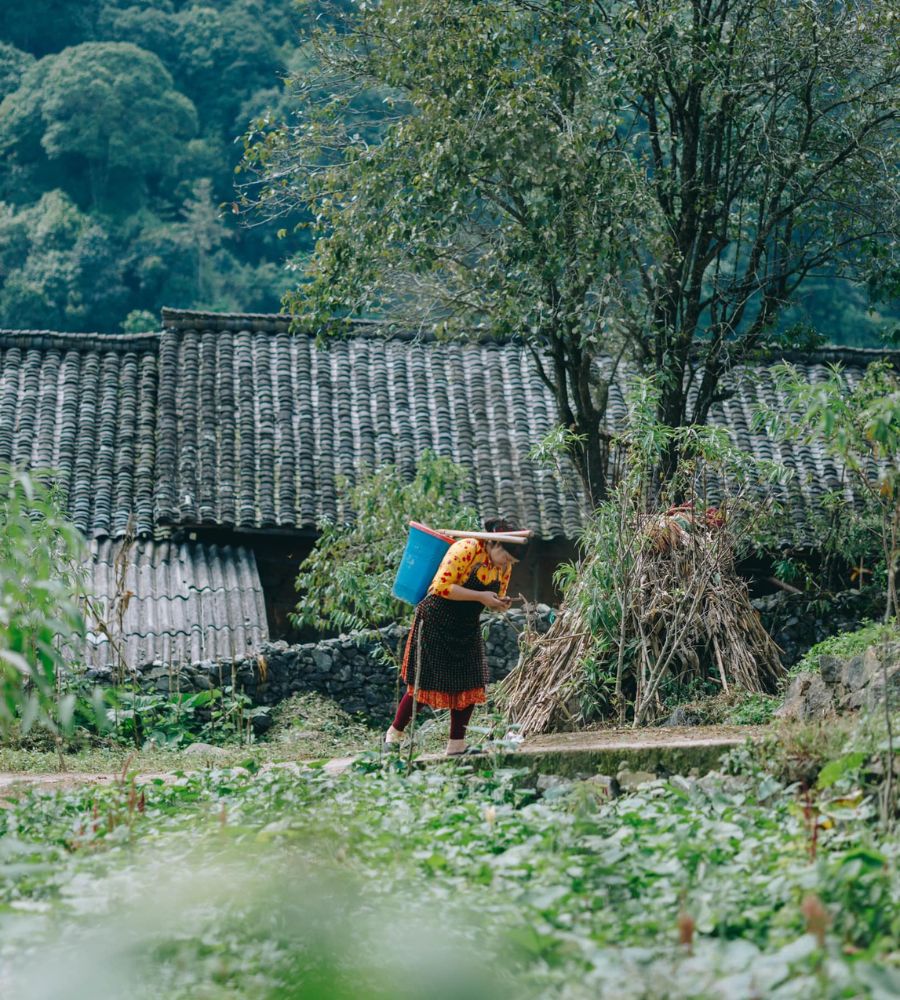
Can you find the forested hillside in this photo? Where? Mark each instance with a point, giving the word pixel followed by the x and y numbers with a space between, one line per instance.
pixel 120 127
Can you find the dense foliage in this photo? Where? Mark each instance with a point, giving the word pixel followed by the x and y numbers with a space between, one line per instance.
pixel 40 599
pixel 119 124
pixel 447 884
pixel 346 581
pixel 118 121
pixel 651 181
pixel 858 426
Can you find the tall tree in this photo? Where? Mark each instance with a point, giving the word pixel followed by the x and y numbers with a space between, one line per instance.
pixel 646 180
pixel 204 232
pixel 59 268
pixel 110 105
pixel 13 63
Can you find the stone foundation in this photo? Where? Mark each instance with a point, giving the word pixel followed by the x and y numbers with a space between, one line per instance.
pixel 354 670
pixel 796 628
pixel 842 685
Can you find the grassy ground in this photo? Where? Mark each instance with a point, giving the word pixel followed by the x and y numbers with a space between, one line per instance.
pixel 310 727
pixel 306 727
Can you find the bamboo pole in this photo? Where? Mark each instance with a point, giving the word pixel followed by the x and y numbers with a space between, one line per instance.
pixel 503 537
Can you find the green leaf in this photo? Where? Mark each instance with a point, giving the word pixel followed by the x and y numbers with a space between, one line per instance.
pixel 834 770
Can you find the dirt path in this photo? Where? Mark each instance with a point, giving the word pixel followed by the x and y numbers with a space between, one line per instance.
pixel 13 782
pixel 581 748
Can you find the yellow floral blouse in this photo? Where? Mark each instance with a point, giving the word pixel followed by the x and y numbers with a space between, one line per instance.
pixel 457 565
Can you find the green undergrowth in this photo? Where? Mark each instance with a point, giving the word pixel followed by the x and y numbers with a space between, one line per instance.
pixel 450 883
pixel 111 758
pixel 311 726
pixel 735 708
pixel 847 644
pixel 305 727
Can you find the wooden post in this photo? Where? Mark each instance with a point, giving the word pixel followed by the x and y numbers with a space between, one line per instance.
pixel 412 723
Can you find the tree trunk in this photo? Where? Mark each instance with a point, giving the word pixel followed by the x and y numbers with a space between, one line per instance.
pixel 592 461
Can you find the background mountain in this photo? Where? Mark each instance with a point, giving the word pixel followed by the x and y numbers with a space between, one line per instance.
pixel 120 126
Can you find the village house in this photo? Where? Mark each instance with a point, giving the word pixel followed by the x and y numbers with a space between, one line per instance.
pixel 199 460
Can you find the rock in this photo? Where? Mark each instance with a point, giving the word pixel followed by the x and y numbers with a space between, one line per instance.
pixel 262 723
pixel 853 700
pixel 830 668
pixel 714 782
pixel 875 692
pixel 545 781
pixel 682 716
pixel 553 786
pixel 205 750
pixel 854 673
pixel 808 697
pixel 322 659
pixel 603 784
pixel 629 780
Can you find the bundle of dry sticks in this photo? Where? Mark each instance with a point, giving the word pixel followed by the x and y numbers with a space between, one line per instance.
pixel 682 611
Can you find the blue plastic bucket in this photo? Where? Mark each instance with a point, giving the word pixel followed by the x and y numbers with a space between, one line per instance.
pixel 423 554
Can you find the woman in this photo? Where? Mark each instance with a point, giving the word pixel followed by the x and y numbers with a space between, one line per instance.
pixel 453 673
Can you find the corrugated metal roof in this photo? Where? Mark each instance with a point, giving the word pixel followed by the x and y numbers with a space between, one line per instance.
pixel 182 603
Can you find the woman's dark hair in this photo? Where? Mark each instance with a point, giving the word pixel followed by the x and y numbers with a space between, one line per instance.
pixel 501 524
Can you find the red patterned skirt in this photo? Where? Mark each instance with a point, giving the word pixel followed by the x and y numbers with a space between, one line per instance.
pixel 453 672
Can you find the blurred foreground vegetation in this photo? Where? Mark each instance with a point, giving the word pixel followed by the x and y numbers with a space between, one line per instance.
pixel 451 883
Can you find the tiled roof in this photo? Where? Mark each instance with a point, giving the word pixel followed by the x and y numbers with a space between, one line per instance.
pixel 232 420
pixel 84 405
pixel 256 425
pixel 189 602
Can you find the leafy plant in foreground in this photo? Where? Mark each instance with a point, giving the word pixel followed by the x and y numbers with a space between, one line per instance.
pixel 222 884
pixel 41 585
pixel 151 718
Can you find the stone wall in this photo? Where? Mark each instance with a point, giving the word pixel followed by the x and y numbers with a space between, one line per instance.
pixel 840 685
pixel 797 626
pixel 347 669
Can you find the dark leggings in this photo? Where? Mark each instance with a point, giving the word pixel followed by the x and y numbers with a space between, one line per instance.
pixel 459 717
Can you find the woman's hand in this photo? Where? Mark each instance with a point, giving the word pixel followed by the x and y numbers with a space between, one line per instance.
pixel 495 603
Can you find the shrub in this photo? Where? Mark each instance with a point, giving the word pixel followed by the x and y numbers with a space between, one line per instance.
pixel 41 587
pixel 346 581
